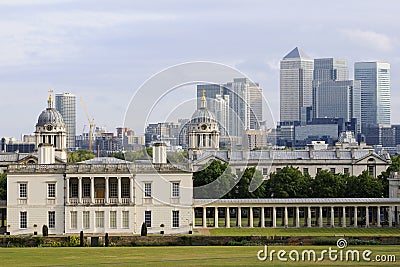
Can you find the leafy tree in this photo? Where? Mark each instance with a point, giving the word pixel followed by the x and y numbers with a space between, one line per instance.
pixel 3 186
pixel 289 182
pixel 383 177
pixel 143 231
pixel 80 155
pixel 250 185
pixel 329 185
pixel 118 155
pixel 364 185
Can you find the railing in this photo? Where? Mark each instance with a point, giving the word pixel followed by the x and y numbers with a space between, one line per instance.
pixel 51 201
pixel 99 201
pixel 22 201
pixel 86 201
pixel 113 200
pixel 126 200
pixel 73 201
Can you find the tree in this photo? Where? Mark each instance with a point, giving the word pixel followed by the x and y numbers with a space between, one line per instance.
pixel 80 155
pixel 3 186
pixel 383 177
pixel 364 186
pixel 250 185
pixel 289 182
pixel 329 185
pixel 118 155
pixel 143 231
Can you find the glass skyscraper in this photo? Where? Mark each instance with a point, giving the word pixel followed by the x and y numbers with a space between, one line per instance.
pixel 296 76
pixel 375 91
pixel 66 105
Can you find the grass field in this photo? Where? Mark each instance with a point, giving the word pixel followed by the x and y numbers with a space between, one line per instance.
pixel 386 231
pixel 175 256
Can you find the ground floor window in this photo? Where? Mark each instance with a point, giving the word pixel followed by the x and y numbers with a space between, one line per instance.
pixel 113 219
pixel 86 219
pixel 125 219
pixel 175 218
pixel 99 219
pixel 147 218
pixel 52 219
pixel 74 219
pixel 23 220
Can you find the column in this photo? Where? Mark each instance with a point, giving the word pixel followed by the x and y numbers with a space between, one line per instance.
pixel 92 189
pixel 274 217
pixel 67 190
pixel 344 217
pixel 251 219
pixel 285 222
pixel 332 216
pixel 227 218
pixel 216 217
pixel 308 216
pixel 297 217
pixel 194 217
pixel 321 221
pixel 131 191
pixel 378 216
pixel 239 217
pixel 204 217
pixel 355 217
pixel 119 189
pixel 262 217
pixel 390 216
pixel 106 194
pixel 366 216
pixel 80 190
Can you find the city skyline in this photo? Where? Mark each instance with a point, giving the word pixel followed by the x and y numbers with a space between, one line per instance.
pixel 104 53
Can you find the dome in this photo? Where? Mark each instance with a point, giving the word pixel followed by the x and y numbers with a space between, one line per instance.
pixel 50 116
pixel 203 114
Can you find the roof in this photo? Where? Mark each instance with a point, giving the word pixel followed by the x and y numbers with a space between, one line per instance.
pixel 11 157
pixel 296 53
pixel 50 116
pixel 104 160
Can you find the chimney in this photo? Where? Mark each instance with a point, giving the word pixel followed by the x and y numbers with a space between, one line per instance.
pixel 159 153
pixel 46 154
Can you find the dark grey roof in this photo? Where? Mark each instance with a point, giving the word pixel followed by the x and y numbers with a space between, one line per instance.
pixel 297 53
pixel 11 157
pixel 50 116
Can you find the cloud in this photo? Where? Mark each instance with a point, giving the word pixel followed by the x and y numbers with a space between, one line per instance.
pixel 371 39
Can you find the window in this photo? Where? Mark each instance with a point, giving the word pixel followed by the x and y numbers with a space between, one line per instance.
pixel 147 218
pixel 265 171
pixel 371 170
pixel 125 189
pixel 237 171
pixel 99 219
pixel 113 190
pixel 147 189
pixel 175 189
pixel 125 219
pixel 346 170
pixel 23 220
pixel 305 171
pixel 74 219
pixel 175 218
pixel 52 219
pixel 86 189
pixel 113 219
pixel 74 190
pixel 22 190
pixel 319 169
pixel 86 219
pixel 333 170
pixel 51 190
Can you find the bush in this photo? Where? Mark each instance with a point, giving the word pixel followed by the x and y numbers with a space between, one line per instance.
pixel 143 231
pixel 107 240
pixel 45 230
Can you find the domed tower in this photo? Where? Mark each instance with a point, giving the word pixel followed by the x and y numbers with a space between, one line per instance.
pixel 203 130
pixel 51 131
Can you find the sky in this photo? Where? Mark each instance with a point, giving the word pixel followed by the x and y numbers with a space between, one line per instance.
pixel 103 51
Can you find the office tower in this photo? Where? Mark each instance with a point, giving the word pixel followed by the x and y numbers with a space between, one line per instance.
pixel 337 99
pixel 296 75
pixel 326 69
pixel 66 105
pixel 375 91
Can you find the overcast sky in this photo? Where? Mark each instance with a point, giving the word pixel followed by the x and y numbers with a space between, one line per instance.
pixel 104 50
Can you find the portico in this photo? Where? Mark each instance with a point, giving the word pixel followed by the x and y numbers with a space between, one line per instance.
pixel 301 212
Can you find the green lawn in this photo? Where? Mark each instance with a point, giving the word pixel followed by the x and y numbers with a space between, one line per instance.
pixel 348 231
pixel 173 256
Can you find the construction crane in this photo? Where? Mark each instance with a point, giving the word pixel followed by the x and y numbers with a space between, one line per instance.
pixel 91 125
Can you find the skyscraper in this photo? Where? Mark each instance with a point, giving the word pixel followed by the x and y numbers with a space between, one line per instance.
pixel 375 91
pixel 334 96
pixel 296 75
pixel 66 105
